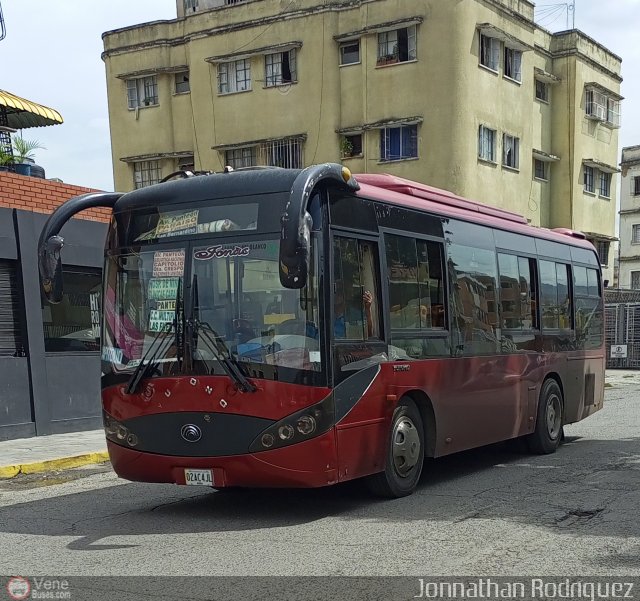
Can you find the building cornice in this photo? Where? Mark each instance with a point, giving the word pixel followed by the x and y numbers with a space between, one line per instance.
pixel 240 54
pixel 379 27
pixel 228 28
pixel 301 137
pixel 181 154
pixel 393 121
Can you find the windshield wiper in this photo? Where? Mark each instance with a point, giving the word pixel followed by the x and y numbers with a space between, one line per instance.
pixel 221 353
pixel 143 368
pixel 214 342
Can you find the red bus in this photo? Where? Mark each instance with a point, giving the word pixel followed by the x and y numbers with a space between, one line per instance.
pixel 300 328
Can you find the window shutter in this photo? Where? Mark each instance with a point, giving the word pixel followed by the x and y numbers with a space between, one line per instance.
pixel 11 342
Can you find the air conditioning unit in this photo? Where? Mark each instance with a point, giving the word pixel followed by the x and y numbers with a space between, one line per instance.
pixel 597 111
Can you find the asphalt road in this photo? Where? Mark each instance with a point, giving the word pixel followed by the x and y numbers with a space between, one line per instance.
pixel 493 511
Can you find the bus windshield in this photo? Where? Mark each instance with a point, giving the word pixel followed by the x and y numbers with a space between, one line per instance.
pixel 232 295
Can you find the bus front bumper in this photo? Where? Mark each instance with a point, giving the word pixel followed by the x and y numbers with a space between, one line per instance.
pixel 312 463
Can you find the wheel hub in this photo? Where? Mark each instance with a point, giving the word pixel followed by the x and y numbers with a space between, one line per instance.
pixel 406 446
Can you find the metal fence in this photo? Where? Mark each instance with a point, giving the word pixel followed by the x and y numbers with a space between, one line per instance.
pixel 622 327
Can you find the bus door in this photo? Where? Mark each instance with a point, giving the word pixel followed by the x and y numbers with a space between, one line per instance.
pixel 358 348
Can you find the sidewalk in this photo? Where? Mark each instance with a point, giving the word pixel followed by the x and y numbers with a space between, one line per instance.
pixel 50 453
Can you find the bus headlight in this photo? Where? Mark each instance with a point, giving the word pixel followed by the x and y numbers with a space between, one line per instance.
pixel 297 427
pixel 118 432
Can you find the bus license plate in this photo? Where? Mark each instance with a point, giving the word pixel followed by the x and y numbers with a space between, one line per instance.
pixel 198 477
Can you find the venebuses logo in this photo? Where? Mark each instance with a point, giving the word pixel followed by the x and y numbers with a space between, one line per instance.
pixel 18 588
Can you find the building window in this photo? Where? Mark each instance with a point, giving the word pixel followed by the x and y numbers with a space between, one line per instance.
pixel 602 107
pixel 635 185
pixel 282 153
pixel 605 184
pixel 589 185
pixel 635 280
pixel 487 144
pixel 11 312
pixel 613 112
pixel 350 52
pixel 510 151
pixel 280 68
pixel 186 163
pixel 351 145
pixel 602 247
pixel 397 46
pixel 398 142
pixel 234 76
pixel 513 64
pixel 542 90
pixel 74 323
pixel 540 169
pixel 241 157
pixel 635 234
pixel 182 82
pixel 489 52
pixel 146 173
pixel 142 91
pixel 190 6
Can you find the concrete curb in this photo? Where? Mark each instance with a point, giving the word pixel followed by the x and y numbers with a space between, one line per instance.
pixel 63 463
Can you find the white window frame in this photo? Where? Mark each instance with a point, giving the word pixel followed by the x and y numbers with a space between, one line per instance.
pixel 487 143
pixel 146 173
pixel 510 143
pixel 600 106
pixel 273 68
pixel 285 152
pixel 512 64
pixel 142 92
pixel 635 234
pixel 388 47
pixel 234 76
pixel 489 56
pixel 601 245
pixel 350 44
pixel 385 152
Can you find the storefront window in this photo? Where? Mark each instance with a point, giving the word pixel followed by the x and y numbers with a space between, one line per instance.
pixel 73 325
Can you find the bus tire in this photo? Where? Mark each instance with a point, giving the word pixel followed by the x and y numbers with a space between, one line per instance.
pixel 549 422
pixel 404 456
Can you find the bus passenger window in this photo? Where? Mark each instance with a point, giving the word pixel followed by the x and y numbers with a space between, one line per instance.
pixel 517 306
pixel 356 290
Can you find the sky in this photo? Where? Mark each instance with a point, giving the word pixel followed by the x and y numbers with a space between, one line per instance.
pixel 51 55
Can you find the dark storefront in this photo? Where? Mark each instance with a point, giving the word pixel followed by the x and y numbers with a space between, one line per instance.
pixel 49 354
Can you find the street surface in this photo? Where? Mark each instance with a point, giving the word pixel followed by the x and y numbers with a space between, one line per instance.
pixel 493 511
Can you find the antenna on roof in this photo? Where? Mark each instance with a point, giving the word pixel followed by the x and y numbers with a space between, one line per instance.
pixel 3 29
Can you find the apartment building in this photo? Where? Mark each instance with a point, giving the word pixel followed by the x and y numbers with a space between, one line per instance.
pixel 471 96
pixel 629 274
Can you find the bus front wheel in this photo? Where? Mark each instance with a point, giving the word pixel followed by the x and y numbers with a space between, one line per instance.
pixel 405 454
pixel 549 423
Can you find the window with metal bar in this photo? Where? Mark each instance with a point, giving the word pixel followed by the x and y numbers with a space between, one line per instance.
pixel 146 173
pixel 142 91
pixel 398 143
pixel 280 68
pixel 234 76
pixel 397 46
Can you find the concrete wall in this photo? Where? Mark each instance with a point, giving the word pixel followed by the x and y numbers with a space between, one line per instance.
pixel 46 393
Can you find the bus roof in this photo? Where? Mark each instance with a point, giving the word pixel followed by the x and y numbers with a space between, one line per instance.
pixel 403 192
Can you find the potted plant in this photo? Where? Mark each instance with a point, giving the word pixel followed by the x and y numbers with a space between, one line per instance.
pixel 6 159
pixel 23 156
pixel 346 147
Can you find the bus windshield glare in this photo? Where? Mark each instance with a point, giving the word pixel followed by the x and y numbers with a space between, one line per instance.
pixel 232 294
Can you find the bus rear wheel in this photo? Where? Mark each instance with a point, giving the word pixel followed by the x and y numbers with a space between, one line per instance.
pixel 549 423
pixel 405 454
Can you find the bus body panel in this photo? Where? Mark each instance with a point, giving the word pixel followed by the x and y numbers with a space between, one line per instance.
pixel 308 464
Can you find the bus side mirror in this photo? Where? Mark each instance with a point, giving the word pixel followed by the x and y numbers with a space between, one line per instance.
pixel 51 268
pixel 294 266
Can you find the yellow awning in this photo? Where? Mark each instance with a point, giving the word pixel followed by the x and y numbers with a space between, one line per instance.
pixel 23 113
